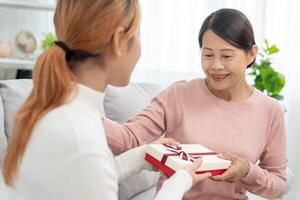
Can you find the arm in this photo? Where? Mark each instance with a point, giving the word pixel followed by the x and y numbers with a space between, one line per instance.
pixel 131 162
pixel 181 182
pixel 175 187
pixel 268 179
pixel 147 126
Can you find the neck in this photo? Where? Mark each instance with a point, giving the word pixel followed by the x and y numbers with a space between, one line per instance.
pixel 238 92
pixel 91 75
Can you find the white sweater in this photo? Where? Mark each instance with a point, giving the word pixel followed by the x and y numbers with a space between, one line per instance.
pixel 67 157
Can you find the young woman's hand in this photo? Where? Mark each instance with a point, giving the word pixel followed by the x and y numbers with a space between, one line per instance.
pixel 192 168
pixel 238 170
pixel 168 141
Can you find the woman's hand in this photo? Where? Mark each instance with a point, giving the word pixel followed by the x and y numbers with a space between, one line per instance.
pixel 238 170
pixel 168 141
pixel 192 168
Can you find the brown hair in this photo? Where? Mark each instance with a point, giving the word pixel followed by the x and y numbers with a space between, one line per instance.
pixel 87 25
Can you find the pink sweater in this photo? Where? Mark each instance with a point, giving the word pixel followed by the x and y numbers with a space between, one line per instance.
pixel 253 129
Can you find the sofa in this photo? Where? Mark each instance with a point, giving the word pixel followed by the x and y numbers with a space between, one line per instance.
pixel 119 104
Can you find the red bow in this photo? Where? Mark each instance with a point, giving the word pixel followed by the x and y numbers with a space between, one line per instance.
pixel 177 151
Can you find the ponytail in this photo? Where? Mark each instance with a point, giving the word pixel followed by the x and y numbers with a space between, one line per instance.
pixel 52 85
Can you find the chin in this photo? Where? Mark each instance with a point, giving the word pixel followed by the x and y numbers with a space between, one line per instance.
pixel 122 83
pixel 218 85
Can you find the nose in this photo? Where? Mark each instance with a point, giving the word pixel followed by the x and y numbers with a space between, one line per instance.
pixel 217 65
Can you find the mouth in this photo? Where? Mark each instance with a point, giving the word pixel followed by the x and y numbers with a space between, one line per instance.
pixel 219 77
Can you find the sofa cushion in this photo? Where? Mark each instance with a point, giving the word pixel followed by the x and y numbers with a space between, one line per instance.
pixel 13 94
pixel 3 140
pixel 122 103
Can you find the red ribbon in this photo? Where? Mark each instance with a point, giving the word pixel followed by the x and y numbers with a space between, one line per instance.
pixel 177 151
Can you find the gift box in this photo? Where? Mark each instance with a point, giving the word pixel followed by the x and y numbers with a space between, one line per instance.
pixel 170 158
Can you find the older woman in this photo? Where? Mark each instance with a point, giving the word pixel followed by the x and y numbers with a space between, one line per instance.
pixel 221 111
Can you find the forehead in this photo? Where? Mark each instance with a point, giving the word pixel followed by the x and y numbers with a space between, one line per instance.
pixel 211 41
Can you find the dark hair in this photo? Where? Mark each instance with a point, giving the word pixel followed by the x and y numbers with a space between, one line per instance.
pixel 232 26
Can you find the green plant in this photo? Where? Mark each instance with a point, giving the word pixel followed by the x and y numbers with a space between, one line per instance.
pixel 48 41
pixel 266 79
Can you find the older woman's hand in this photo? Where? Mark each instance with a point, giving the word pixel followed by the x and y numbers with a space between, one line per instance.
pixel 169 141
pixel 238 170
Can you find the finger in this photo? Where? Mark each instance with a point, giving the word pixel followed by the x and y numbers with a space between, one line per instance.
pixel 201 177
pixel 170 141
pixel 231 180
pixel 195 165
pixel 226 175
pixel 226 156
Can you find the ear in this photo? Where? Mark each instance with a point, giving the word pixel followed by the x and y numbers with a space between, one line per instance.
pixel 253 53
pixel 117 45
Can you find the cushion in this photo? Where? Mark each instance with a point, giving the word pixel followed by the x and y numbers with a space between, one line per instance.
pixel 3 140
pixel 13 94
pixel 121 104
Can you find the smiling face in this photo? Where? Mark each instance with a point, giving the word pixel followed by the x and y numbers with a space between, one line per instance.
pixel 223 63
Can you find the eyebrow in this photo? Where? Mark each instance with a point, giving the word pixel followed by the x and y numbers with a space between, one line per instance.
pixel 227 49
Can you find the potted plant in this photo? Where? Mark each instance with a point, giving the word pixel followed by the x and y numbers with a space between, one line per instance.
pixel 266 79
pixel 48 41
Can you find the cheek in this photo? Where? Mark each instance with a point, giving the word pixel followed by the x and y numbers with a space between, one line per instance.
pixel 239 67
pixel 204 65
pixel 139 49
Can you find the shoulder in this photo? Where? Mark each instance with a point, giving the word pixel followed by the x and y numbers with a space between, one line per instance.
pixel 269 104
pixel 56 120
pixel 65 127
pixel 54 133
pixel 182 87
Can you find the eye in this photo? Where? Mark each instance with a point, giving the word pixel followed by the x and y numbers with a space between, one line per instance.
pixel 208 55
pixel 227 57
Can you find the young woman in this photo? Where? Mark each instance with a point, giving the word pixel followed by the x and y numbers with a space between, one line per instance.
pixel 58 149
pixel 221 111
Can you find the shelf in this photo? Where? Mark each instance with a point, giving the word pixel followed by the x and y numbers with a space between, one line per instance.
pixel 27 5
pixel 16 63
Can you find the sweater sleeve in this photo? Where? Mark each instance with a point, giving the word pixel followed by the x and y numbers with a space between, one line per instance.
pixel 175 187
pixel 268 178
pixel 144 128
pixel 124 162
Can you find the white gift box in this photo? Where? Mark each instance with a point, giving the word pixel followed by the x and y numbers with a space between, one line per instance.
pixel 170 159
